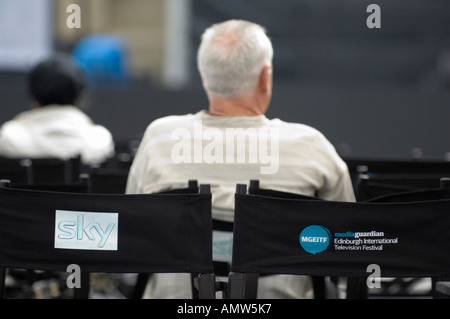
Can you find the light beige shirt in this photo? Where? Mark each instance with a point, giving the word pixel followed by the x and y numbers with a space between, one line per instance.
pixel 225 151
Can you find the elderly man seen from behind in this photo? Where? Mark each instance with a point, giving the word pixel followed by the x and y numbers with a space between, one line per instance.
pixel 233 142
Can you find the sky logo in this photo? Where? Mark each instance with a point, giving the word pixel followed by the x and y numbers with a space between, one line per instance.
pixel 314 239
pixel 86 230
pixel 222 246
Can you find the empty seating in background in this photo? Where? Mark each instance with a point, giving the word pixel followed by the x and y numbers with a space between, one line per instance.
pixel 111 176
pixel 40 171
pixel 373 178
pixel 18 170
pixel 387 166
pixel 371 186
pixel 50 170
pixel 108 177
pixel 108 180
pixel 82 185
pixel 373 191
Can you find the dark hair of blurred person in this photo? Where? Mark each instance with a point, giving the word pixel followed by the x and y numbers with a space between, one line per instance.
pixel 56 81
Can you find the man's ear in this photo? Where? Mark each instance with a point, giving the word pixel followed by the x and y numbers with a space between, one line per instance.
pixel 265 79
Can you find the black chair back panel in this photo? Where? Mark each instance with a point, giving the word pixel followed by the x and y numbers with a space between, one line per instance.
pixel 267 237
pixel 150 230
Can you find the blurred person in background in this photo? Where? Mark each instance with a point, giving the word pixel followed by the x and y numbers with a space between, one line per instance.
pixel 55 127
pixel 235 63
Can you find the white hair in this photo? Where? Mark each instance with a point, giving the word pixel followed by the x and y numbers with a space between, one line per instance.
pixel 231 57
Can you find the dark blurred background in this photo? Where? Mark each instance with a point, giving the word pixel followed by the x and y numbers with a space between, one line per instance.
pixel 378 93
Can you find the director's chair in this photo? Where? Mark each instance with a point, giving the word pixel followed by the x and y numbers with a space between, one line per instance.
pixel 267 239
pixel 165 233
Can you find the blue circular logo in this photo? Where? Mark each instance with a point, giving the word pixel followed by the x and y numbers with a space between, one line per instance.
pixel 314 239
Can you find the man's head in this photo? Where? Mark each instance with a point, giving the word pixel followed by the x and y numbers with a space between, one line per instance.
pixel 234 58
pixel 56 81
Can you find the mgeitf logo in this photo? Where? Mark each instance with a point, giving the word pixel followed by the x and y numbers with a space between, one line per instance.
pixel 86 230
pixel 227 146
pixel 314 239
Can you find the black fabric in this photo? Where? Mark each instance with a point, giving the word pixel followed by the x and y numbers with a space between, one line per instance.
pixel 376 185
pixel 156 233
pixel 369 190
pixel 267 231
pixel 180 191
pixel 80 187
pixel 109 180
pixel 54 170
pixel 413 196
pixel 400 166
pixel 278 194
pixel 40 170
pixel 412 180
pixel 17 170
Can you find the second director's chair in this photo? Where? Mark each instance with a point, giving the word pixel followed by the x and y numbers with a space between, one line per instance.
pixel 322 238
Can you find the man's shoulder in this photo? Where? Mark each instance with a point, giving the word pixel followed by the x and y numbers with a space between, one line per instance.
pixel 172 121
pixel 293 128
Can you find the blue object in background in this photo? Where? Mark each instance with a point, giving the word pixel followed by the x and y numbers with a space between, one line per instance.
pixel 104 59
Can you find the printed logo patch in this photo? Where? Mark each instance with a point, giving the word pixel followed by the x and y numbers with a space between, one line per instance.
pixel 315 239
pixel 86 230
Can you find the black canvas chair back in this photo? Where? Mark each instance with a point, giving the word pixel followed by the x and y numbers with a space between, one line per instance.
pixel 107 233
pixel 371 186
pixel 17 170
pixel 391 166
pixel 54 170
pixel 255 189
pixel 192 188
pixel 425 194
pixel 82 185
pixel 108 180
pixel 402 173
pixel 323 238
pixel 40 171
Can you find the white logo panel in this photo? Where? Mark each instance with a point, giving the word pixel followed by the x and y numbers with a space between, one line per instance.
pixel 86 230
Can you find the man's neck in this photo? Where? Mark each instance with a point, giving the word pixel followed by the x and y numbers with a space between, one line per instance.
pixel 240 106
